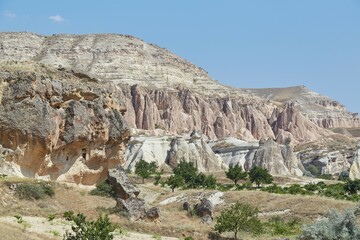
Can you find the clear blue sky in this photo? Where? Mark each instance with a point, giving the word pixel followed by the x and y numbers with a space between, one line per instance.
pixel 250 44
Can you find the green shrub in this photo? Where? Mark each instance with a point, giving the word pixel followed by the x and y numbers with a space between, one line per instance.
pixel 334 190
pixel 335 226
pixel 278 226
pixel 326 176
pixel 274 188
pixel 313 170
pixel 311 187
pixel 36 191
pixel 104 189
pixel 102 228
pixel 240 217
pixel 296 189
pixel 352 187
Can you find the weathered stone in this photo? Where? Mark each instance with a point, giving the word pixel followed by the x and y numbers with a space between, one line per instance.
pixel 122 185
pixel 204 210
pixel 186 206
pixel 54 129
pixel 134 207
pixel 153 214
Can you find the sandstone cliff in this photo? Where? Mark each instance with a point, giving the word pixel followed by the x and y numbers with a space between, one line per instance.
pixel 57 125
pixel 165 91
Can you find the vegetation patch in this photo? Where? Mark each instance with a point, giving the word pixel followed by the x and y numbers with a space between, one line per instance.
pixel 34 191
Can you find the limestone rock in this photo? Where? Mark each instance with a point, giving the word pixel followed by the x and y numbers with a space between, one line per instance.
pixel 122 185
pixel 197 151
pixel 277 159
pixel 134 207
pixel 75 138
pixel 355 167
pixel 170 150
pixel 204 210
pixel 153 214
pixel 167 92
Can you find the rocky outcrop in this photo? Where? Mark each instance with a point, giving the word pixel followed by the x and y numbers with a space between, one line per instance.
pixel 58 126
pixel 204 210
pixel 168 92
pixel 355 167
pixel 197 151
pixel 133 207
pixel 122 185
pixel 170 150
pixel 277 159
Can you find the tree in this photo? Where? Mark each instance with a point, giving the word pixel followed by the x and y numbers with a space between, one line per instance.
pixel 175 181
pixel 260 175
pixel 239 217
pixel 236 173
pixel 186 170
pixel 102 228
pixel 145 169
pixel 352 186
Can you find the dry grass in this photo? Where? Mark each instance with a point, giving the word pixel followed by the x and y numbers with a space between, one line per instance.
pixel 174 221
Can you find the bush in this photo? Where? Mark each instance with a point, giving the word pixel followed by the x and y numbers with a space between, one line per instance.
pixel 352 187
pixel 239 217
pixel 335 226
pixel 102 228
pixel 236 173
pixel 104 189
pixel 274 188
pixel 145 169
pixel 186 170
pixel 278 226
pixel 36 191
pixel 313 170
pixel 326 176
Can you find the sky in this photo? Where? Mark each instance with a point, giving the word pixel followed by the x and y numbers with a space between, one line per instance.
pixel 242 43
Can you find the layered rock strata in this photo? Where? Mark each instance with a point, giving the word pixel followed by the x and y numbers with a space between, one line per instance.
pixel 57 125
pixel 176 95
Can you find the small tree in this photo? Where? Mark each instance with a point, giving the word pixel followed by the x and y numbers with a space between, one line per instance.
pixel 239 217
pixel 260 175
pixel 352 186
pixel 83 229
pixel 145 169
pixel 186 170
pixel 175 181
pixel 236 173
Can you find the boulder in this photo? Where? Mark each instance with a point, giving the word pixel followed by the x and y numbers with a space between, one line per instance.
pixel 124 189
pixel 134 207
pixel 153 214
pixel 204 210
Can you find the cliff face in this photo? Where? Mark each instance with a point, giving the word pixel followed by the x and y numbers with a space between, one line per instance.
pixel 56 125
pixel 162 90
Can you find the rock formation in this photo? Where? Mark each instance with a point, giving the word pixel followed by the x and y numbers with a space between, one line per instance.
pixel 355 167
pixel 204 210
pixel 165 91
pixel 170 150
pixel 124 189
pixel 56 125
pixel 277 159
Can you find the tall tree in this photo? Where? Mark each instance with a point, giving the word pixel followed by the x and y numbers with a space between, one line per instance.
pixel 236 173
pixel 145 169
pixel 260 175
pixel 239 217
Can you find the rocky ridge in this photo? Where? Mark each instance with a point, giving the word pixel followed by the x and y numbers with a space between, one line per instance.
pixel 163 90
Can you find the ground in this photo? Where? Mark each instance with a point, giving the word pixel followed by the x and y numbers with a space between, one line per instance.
pixel 174 221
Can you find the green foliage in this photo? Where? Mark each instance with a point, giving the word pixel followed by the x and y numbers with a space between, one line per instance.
pixel 344 176
pixel 352 187
pixel 236 173
pixel 325 176
pixel 51 217
pixel 145 169
pixel 335 226
pixel 278 226
pixel 334 191
pixel 175 181
pixel 38 190
pixel 157 177
pixel 19 219
pixel 260 175
pixel 104 189
pixel 313 170
pixel 240 217
pixel 186 170
pixel 88 230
